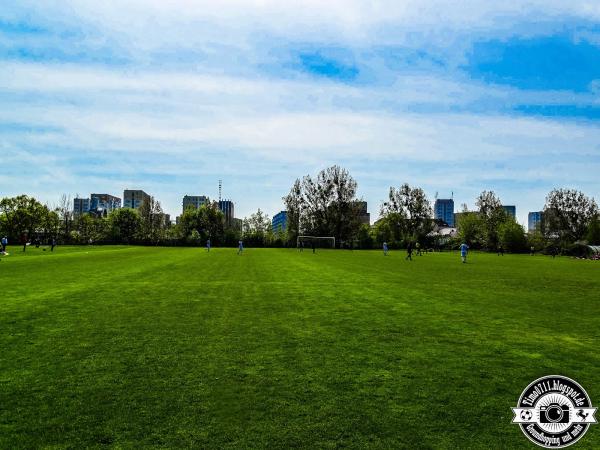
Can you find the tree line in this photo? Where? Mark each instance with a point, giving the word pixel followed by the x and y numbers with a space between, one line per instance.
pixel 25 219
pixel 325 205
pixel 328 206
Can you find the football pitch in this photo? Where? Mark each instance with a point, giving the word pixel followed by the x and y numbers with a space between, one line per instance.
pixel 130 347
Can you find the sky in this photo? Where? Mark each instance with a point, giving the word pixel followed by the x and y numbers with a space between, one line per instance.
pixel 455 97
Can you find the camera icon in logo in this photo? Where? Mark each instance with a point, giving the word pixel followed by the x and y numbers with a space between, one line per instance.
pixel 554 413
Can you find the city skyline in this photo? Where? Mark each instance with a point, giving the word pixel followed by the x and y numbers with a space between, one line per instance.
pixel 441 208
pixel 172 98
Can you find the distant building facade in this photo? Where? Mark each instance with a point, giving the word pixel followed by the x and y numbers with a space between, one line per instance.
pixel 363 214
pixel 534 220
pixel 443 209
pixel 103 204
pixel 134 198
pixel 226 207
pixel 195 201
pixel 81 206
pixel 279 222
pixel 511 210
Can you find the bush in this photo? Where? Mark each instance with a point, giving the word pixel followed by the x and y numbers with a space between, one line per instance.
pixel 512 237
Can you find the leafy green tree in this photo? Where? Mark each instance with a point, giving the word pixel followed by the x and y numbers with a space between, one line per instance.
pixel 51 224
pixel 257 229
pixel 22 215
pixel 492 216
pixel 208 221
pixel 294 202
pixel 511 236
pixel 90 229
pixel 537 240
pixel 384 232
pixel 470 228
pixel 408 212
pixel 152 222
pixel 365 237
pixel 125 224
pixel 324 206
pixel 593 233
pixel 568 214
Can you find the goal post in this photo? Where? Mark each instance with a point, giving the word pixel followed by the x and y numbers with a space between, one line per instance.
pixel 316 239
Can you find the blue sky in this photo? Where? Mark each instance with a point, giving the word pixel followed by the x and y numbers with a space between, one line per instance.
pixel 170 97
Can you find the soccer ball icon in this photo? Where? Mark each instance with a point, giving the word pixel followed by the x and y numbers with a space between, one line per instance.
pixel 526 415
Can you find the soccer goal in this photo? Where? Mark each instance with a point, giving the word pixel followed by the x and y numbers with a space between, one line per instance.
pixel 320 241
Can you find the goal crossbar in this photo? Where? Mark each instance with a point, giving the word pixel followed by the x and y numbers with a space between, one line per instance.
pixel 329 238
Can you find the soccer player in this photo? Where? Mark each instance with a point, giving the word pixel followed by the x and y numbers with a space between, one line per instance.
pixel 385 249
pixel 240 247
pixel 464 249
pixel 208 245
pixel 418 247
pixel 4 244
pixel 52 244
pixel 409 251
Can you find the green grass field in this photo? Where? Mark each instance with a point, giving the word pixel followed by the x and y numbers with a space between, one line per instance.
pixel 130 347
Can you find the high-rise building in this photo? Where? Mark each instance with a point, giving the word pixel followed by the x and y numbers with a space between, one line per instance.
pixel 443 209
pixel 279 222
pixel 81 205
pixel 103 204
pixel 226 207
pixel 511 210
pixel 534 220
pixel 134 198
pixel 195 201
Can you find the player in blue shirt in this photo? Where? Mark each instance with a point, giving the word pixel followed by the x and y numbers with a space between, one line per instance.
pixel 464 249
pixel 385 249
pixel 208 245
pixel 240 247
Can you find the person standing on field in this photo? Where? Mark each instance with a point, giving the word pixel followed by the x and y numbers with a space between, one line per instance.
pixel 208 245
pixel 52 244
pixel 4 244
pixel 24 241
pixel 385 249
pixel 240 247
pixel 409 251
pixel 464 249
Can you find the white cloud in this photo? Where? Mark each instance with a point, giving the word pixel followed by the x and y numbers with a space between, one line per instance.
pixel 175 129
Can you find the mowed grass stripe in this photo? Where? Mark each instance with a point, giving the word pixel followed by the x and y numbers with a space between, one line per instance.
pixel 172 347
